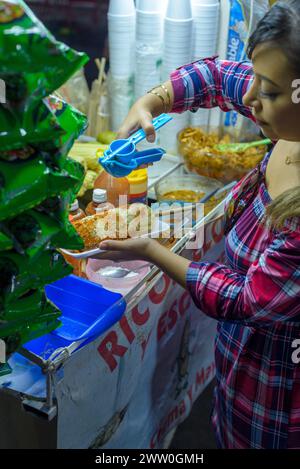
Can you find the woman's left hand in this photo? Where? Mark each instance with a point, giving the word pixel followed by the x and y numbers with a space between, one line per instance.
pixel 127 250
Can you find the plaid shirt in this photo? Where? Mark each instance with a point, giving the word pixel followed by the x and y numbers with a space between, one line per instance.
pixel 255 297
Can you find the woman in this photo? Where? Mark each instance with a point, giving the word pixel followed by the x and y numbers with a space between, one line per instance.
pixel 256 295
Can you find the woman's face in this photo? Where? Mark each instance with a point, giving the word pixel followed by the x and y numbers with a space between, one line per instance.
pixel 272 96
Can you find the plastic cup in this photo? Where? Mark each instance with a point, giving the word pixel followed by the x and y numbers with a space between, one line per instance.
pixel 179 10
pixel 149 6
pixel 204 2
pixel 121 7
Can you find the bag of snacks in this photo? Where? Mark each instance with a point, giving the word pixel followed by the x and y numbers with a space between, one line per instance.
pixel 32 62
pixel 20 275
pixel 52 126
pixel 25 184
pixel 32 232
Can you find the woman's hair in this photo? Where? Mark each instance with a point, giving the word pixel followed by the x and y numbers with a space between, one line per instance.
pixel 281 26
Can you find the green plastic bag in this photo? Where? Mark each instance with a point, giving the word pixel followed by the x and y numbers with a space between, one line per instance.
pixel 52 126
pixel 5 241
pixel 32 61
pixel 20 275
pixel 25 184
pixel 32 232
pixel 16 333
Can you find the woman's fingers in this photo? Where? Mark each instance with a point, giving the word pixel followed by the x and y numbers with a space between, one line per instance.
pixel 109 256
pixel 147 126
pixel 113 245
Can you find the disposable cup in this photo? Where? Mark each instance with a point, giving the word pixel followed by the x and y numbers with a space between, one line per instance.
pixel 179 9
pixel 214 16
pixel 204 2
pixel 175 24
pixel 121 7
pixel 149 6
pixel 126 26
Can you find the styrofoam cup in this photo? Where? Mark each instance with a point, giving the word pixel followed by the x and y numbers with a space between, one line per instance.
pixel 121 7
pixel 179 10
pixel 204 2
pixel 149 6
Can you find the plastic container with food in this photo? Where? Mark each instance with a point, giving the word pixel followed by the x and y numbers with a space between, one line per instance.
pixel 138 270
pixel 201 157
pixel 186 188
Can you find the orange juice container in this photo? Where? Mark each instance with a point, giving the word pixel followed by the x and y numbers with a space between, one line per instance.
pixel 138 186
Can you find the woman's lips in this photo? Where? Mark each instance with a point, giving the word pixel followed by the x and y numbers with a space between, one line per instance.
pixel 260 122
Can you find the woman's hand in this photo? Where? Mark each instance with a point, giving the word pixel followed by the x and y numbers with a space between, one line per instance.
pixel 149 250
pixel 139 117
pixel 144 110
pixel 129 249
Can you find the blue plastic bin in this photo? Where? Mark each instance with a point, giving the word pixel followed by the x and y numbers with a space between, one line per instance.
pixel 88 310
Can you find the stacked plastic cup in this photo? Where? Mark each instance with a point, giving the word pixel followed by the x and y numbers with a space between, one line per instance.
pixel 121 38
pixel 177 51
pixel 178 35
pixel 149 36
pixel 206 15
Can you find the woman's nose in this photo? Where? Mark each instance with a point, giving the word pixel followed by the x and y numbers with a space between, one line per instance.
pixel 251 99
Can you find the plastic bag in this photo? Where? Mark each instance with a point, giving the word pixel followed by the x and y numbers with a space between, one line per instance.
pixel 5 242
pixel 53 125
pixel 25 184
pixel 20 275
pixel 42 320
pixel 32 232
pixel 32 62
pixel 76 91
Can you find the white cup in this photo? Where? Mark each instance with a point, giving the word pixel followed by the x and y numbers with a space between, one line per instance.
pixel 149 6
pixel 121 7
pixel 179 10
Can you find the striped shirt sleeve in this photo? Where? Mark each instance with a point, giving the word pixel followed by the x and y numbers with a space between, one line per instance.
pixel 211 82
pixel 269 293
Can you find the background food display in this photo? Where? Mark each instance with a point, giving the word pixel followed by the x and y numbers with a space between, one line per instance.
pixel 201 157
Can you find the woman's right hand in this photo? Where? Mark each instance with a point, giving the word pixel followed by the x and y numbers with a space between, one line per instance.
pixel 144 110
pixel 139 116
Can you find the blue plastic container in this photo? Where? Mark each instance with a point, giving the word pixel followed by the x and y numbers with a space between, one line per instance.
pixel 88 310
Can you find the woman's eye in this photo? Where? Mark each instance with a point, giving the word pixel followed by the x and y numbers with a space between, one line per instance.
pixel 272 96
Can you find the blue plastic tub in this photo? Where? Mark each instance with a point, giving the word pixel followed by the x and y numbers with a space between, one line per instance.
pixel 88 310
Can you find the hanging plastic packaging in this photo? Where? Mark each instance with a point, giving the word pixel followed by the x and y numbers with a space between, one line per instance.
pixel 20 275
pixel 33 63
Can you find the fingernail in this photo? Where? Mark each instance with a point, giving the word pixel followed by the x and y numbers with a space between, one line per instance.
pixel 103 246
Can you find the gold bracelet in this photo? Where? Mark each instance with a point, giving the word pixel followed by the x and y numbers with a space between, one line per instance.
pixel 167 93
pixel 160 97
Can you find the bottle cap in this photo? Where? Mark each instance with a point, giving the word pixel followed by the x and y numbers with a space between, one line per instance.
pixel 74 206
pixel 99 195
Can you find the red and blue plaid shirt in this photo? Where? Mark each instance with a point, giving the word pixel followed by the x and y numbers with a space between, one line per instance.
pixel 255 297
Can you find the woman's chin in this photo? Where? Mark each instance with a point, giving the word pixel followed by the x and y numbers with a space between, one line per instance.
pixel 268 132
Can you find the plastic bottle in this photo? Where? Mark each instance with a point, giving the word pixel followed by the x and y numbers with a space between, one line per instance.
pixel 115 188
pixel 99 202
pixel 76 213
pixel 78 265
